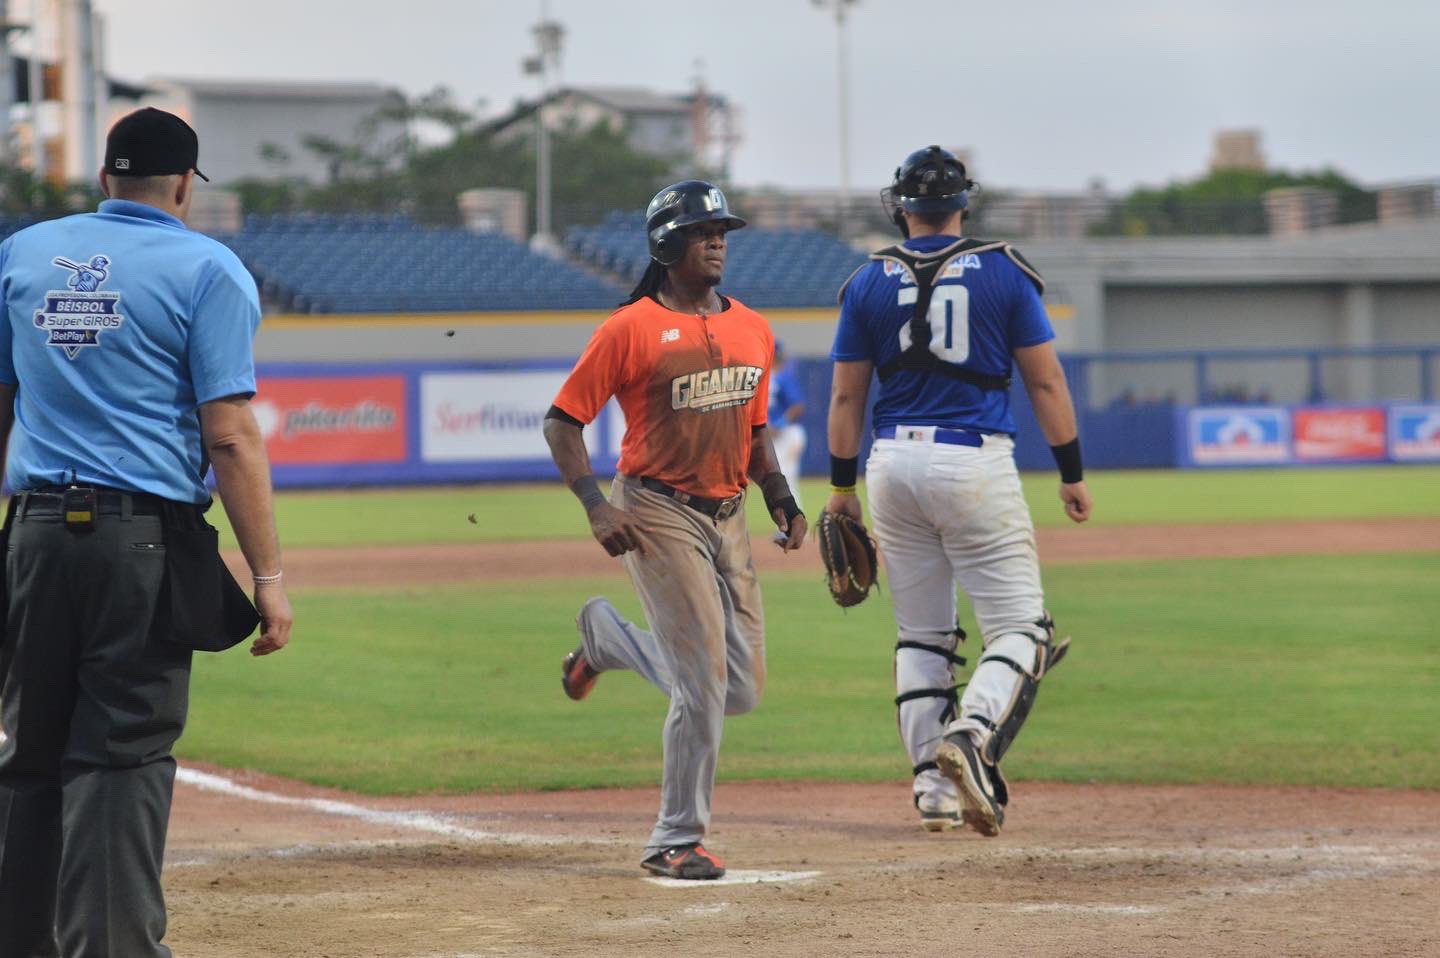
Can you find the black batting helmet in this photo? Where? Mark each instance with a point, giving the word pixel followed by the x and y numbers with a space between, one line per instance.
pixel 679 205
pixel 931 180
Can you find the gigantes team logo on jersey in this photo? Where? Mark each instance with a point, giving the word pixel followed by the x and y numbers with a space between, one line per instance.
pixel 75 317
pixel 712 389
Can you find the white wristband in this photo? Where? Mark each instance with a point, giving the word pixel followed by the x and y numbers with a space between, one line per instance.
pixel 267 579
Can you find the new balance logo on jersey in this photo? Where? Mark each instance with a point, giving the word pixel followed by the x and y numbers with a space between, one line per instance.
pixel 669 336
pixel 712 389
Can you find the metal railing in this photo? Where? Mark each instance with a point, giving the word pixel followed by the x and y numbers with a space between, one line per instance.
pixel 1340 374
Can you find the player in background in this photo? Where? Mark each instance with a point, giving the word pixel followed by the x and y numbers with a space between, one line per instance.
pixel 691 371
pixel 787 406
pixel 941 320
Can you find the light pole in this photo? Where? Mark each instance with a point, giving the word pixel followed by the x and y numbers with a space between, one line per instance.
pixel 842 87
pixel 548 34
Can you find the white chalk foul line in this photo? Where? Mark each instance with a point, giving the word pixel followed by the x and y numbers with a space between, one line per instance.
pixel 1092 909
pixel 735 876
pixel 413 821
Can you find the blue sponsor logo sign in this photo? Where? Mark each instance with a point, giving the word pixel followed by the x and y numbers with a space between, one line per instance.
pixel 1240 435
pixel 1415 433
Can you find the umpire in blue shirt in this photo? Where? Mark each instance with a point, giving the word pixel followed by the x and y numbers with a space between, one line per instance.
pixel 126 370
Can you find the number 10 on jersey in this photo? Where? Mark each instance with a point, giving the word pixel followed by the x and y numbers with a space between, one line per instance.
pixel 949 321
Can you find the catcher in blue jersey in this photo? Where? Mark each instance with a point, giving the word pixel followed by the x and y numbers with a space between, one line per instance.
pixel 943 320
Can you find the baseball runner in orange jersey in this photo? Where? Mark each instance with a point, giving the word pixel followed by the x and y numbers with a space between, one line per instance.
pixel 691 371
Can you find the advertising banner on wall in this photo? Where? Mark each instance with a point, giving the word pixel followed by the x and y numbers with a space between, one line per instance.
pixel 319 420
pixel 1415 433
pixel 1340 435
pixel 489 416
pixel 1238 435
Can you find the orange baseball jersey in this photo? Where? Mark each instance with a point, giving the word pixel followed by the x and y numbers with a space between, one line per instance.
pixel 691 389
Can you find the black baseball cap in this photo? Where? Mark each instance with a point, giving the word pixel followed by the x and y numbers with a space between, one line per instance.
pixel 151 142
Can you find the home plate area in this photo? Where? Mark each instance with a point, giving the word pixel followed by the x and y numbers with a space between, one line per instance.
pixel 735 876
pixel 259 865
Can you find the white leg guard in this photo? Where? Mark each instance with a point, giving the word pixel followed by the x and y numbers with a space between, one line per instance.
pixel 926 702
pixel 1002 691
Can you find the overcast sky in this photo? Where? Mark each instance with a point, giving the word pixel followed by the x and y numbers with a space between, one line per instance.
pixel 1046 93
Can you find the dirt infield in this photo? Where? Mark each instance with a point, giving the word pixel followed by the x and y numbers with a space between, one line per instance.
pixel 1079 870
pixel 486 562
pixel 262 866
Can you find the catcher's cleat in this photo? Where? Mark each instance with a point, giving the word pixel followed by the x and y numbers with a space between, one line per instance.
pixel 577 678
pixel 937 814
pixel 691 862
pixel 960 762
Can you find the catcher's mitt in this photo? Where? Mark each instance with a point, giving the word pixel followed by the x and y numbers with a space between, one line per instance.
pixel 851 564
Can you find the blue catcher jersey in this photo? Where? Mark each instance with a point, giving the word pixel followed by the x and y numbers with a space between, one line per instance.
pixel 118 325
pixel 984 306
pixel 785 391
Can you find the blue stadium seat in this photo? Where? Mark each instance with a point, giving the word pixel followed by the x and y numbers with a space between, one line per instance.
pixel 381 262
pixel 371 262
pixel 766 268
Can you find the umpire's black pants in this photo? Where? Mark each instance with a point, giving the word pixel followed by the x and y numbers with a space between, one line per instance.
pixel 92 698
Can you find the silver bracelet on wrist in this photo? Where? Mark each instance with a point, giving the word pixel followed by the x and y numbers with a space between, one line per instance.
pixel 267 579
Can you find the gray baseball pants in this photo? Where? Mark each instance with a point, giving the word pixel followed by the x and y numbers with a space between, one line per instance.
pixel 705 648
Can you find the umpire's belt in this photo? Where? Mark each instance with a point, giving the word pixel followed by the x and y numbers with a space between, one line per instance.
pixel 108 502
pixel 953 437
pixel 714 508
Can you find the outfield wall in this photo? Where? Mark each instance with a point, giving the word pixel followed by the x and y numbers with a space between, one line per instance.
pixel 429 422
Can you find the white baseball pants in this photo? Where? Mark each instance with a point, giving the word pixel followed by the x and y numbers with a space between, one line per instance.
pixel 789 443
pixel 945 515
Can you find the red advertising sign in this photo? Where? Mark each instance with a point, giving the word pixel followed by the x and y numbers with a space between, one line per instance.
pixel 326 420
pixel 1353 434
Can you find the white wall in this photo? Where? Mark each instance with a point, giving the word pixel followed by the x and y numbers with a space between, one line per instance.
pixel 232 128
pixel 1233 317
pixel 1408 314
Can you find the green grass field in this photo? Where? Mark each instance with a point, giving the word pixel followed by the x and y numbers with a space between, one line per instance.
pixel 1302 670
pixel 1312 670
pixel 510 513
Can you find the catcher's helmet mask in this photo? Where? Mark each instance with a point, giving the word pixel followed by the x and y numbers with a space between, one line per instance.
pixel 931 180
pixel 680 205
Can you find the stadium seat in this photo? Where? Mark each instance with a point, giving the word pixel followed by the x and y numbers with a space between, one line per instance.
pixel 381 262
pixel 371 262
pixel 766 268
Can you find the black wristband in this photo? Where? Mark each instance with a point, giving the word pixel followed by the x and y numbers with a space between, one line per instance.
pixel 788 506
pixel 587 490
pixel 775 489
pixel 1067 457
pixel 844 471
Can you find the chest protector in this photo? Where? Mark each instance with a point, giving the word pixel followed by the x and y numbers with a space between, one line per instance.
pixel 924 269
